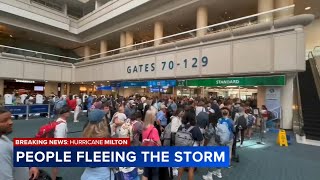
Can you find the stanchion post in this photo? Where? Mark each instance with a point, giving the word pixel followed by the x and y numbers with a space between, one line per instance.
pixel 261 131
pixel 27 113
pixel 49 111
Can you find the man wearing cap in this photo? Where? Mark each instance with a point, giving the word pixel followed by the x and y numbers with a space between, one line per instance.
pixel 161 117
pixel 130 108
pixel 61 132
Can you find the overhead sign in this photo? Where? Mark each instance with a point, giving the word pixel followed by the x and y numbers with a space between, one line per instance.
pixel 277 80
pixel 162 83
pixel 134 84
pixel 104 88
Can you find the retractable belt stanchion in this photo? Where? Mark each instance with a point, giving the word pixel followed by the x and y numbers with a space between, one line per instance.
pixel 262 128
pixel 27 113
pixel 49 111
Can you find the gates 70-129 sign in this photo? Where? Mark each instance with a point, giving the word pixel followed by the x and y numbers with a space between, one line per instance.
pixel 169 65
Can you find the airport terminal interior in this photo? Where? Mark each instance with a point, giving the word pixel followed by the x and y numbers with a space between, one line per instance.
pixel 257 57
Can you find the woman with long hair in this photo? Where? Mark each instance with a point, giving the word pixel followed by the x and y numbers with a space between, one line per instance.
pixel 150 133
pixel 97 128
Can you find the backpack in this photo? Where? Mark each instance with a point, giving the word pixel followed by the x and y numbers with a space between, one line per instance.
pixel 211 136
pixel 166 135
pixel 47 131
pixel 184 137
pixel 234 111
pixel 242 122
pixel 148 141
pixel 223 133
pixel 125 130
pixel 140 107
pixel 58 105
pixel 251 120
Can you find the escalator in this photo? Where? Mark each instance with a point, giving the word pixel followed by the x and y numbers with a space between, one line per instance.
pixel 310 102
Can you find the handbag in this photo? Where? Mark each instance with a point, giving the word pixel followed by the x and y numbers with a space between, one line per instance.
pixel 148 141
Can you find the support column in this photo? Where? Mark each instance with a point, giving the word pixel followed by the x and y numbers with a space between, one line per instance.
pixel 98 3
pixel 202 20
pixel 287 103
pixel 103 48
pixel 65 9
pixel 1 87
pixel 265 5
pixel 50 87
pixel 261 97
pixel 122 41
pixel 86 53
pixel 158 32
pixel 284 13
pixel 129 40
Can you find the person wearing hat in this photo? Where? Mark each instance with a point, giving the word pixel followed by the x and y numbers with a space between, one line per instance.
pixel 162 118
pixel 61 132
pixel 96 128
pixel 130 108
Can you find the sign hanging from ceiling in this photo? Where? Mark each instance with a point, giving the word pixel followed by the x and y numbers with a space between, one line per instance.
pixel 277 80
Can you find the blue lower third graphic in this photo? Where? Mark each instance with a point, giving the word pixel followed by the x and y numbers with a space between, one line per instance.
pixel 209 156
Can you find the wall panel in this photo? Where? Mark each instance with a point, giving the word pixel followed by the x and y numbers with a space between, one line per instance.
pixel 33 71
pixel 252 55
pixel 11 68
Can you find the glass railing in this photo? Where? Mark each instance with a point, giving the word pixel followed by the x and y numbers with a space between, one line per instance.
pixel 221 30
pixel 36 54
pixel 229 26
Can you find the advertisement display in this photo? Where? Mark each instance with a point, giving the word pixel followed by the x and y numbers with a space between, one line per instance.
pixel 273 101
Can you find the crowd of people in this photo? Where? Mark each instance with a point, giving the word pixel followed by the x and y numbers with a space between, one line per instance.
pixel 152 121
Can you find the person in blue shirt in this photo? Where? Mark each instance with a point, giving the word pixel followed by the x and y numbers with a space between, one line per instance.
pixel 226 118
pixel 161 116
pixel 90 101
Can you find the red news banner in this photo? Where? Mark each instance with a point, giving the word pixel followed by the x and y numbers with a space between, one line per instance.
pixel 71 142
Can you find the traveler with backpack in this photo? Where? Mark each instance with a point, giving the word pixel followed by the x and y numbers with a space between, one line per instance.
pixel 212 139
pixel 117 121
pixel 60 131
pixel 96 129
pixel 251 122
pixel 137 128
pixel 202 122
pixel 241 120
pixel 225 129
pixel 7 170
pixel 188 134
pixel 150 137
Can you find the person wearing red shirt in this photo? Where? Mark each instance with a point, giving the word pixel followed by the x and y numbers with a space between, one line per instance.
pixel 72 103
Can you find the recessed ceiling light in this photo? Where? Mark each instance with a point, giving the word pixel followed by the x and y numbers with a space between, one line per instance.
pixel 307 8
pixel 11 35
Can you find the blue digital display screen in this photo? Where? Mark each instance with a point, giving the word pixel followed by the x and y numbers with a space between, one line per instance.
pixel 104 88
pixel 162 83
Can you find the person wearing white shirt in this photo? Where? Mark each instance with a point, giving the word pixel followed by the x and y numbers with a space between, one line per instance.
pixel 77 109
pixel 61 132
pixel 200 108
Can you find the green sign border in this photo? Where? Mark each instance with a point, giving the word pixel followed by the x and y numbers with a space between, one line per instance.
pixel 276 80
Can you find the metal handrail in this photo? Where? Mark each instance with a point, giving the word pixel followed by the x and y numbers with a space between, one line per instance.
pixel 193 30
pixel 37 52
pixel 158 39
pixel 299 106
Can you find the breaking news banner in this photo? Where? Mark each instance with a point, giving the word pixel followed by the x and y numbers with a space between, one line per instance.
pixel 114 152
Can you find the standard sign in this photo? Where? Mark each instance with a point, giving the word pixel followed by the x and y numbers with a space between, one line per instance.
pixel 277 80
